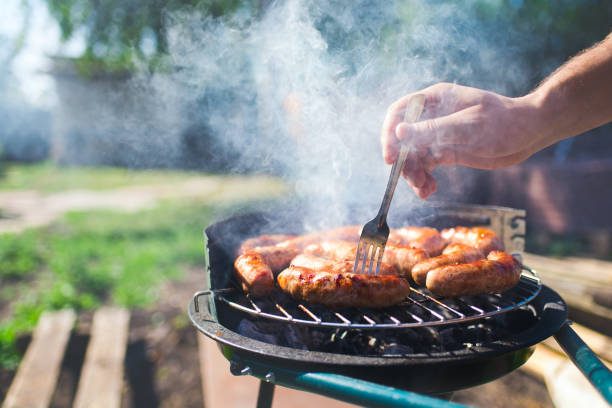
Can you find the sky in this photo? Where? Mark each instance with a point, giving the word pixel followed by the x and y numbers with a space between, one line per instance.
pixel 42 39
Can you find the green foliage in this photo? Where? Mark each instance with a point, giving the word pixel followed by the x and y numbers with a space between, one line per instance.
pixel 9 356
pixel 19 255
pixel 119 33
pixel 92 258
pixel 555 31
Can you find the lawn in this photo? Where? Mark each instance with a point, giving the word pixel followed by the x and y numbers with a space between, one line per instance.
pixel 48 177
pixel 87 259
pixel 93 258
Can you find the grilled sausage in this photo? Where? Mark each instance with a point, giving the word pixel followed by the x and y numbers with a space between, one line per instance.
pixel 499 272
pixel 332 249
pixel 343 289
pixel 477 237
pixel 403 258
pixel 256 267
pixel 254 274
pixel 425 238
pixel 452 255
pixel 349 233
pixel 262 240
pixel 317 263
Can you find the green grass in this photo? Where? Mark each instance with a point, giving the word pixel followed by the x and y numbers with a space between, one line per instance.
pixel 48 177
pixel 94 258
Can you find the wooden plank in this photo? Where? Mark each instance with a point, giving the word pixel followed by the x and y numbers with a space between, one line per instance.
pixel 589 271
pixel 37 374
pixel 585 284
pixel 567 386
pixel 102 374
pixel 223 390
pixel 599 343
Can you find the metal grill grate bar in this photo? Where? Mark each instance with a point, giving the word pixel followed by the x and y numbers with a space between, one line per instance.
pixel 420 309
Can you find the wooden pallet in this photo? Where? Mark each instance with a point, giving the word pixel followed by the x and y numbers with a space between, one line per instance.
pixel 102 372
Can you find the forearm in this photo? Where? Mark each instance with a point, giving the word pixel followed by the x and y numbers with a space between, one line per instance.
pixel 578 96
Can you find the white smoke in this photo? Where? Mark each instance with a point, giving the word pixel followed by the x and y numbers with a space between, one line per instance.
pixel 305 85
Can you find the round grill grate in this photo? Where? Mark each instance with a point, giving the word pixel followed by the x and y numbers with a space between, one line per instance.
pixel 420 309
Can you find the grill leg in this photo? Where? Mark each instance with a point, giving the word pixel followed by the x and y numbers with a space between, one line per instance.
pixel 266 394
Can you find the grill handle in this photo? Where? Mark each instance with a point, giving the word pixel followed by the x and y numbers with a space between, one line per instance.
pixel 586 360
pixel 340 387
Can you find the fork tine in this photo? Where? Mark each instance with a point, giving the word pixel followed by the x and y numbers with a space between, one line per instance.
pixel 366 256
pixel 379 255
pixel 358 257
pixel 371 258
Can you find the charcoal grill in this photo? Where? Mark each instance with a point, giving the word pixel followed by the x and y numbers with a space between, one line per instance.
pixel 528 313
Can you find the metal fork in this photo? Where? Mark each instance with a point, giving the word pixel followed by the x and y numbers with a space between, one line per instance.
pixel 375 233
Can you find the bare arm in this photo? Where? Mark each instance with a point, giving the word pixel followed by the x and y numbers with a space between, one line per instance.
pixel 481 129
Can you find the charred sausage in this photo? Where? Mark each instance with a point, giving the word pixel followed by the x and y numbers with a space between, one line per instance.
pixel 499 272
pixel 452 255
pixel 343 289
pixel 477 237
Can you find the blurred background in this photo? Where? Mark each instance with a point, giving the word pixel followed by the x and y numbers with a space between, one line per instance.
pixel 127 126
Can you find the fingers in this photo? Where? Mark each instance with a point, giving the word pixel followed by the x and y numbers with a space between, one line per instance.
pixel 413 170
pixel 455 129
pixel 428 188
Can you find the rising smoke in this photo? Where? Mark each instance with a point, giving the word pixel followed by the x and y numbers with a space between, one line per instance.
pixel 305 85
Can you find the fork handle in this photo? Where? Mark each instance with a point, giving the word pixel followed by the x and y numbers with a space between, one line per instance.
pixel 414 108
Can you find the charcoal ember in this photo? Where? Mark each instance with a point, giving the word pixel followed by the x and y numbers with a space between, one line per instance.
pixel 257 331
pixel 481 333
pixel 477 334
pixel 315 339
pixel 352 342
pixel 429 335
pixel 450 337
pixel 419 312
pixel 447 314
pixel 293 337
pixel 396 349
pixel 409 336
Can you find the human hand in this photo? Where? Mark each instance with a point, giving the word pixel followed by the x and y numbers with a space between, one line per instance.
pixel 465 126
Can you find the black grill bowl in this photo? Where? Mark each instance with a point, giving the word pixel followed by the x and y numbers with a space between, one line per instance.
pixel 429 373
pixel 433 373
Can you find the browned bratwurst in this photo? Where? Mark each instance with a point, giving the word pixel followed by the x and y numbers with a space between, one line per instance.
pixel 425 238
pixel 343 289
pixel 262 240
pixel 403 258
pixel 317 263
pixel 452 255
pixel 256 267
pixel 477 237
pixel 499 272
